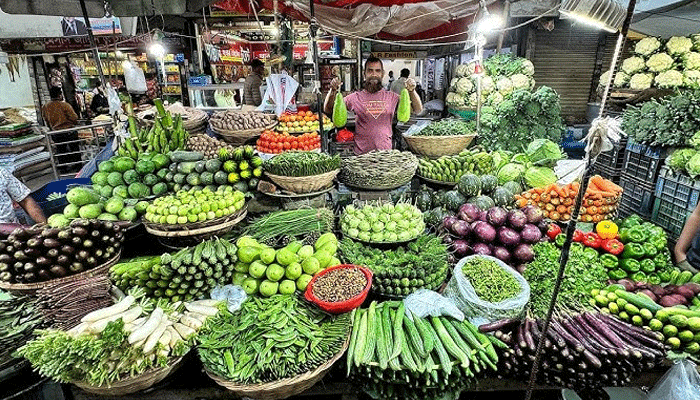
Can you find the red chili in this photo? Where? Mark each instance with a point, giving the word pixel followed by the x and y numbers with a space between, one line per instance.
pixel 591 239
pixel 613 246
pixel 553 231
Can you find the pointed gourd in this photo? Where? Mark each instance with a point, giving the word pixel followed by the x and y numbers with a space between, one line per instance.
pixel 404 112
pixel 340 112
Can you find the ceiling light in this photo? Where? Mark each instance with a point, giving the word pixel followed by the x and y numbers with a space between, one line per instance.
pixel 602 14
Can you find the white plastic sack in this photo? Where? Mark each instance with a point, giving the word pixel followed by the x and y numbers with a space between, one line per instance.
pixel 417 127
pixel 134 79
pixel 280 91
pixel 681 382
pixel 479 311
pixel 424 302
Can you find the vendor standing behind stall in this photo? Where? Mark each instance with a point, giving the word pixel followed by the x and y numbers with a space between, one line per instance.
pixel 60 115
pixel 687 250
pixel 374 108
pixel 251 87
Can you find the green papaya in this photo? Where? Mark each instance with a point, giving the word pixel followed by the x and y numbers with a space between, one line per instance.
pixel 404 112
pixel 340 112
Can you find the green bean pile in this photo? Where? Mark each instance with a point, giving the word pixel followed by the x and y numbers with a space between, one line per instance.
pixel 271 339
pixel 491 282
pixel 302 163
pixel 447 127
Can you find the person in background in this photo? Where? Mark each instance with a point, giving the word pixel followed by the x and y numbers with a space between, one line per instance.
pixel 99 104
pixel 251 88
pixel 687 250
pixel 374 108
pixel 12 190
pixel 59 115
pixel 391 80
pixel 400 83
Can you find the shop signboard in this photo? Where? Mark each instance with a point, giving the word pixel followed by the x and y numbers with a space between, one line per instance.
pixel 75 26
pixel 301 50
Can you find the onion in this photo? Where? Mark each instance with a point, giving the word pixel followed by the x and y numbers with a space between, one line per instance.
pixel 481 248
pixel 461 247
pixel 517 219
pixel 460 228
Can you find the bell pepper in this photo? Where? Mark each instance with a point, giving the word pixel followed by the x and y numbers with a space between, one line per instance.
pixel 553 231
pixel 664 275
pixel 639 277
pixel 591 239
pixel 660 242
pixel 631 221
pixel 609 261
pixel 633 250
pixel 662 261
pixel 635 234
pixel 657 231
pixel 606 229
pixel 613 246
pixel 576 246
pixel 578 236
pixel 647 265
pixel 617 274
pixel 630 265
pixel 650 249
pixel 560 239
pixel 590 254
pixel 654 279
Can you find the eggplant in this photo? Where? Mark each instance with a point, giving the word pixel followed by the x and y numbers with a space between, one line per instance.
pixel 43 261
pixel 78 231
pixel 91 261
pixel 50 233
pixel 32 253
pixel 82 255
pixel 20 256
pixel 30 267
pixel 80 223
pixel 58 271
pixel 76 241
pixel 53 253
pixel 106 239
pixel 95 234
pixel 19 234
pixel 87 243
pixel 77 267
pixel 44 275
pixel 17 266
pixel 64 235
pixel 3 245
pixel 10 249
pixel 50 243
pixel 63 260
pixel 66 249
pixel 34 242
pixel 108 225
pixel 30 277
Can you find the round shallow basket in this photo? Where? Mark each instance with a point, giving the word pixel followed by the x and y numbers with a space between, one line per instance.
pixel 438 146
pixel 194 120
pixel 198 230
pixel 31 288
pixel 304 184
pixel 238 138
pixel 436 182
pixel 133 384
pixel 283 388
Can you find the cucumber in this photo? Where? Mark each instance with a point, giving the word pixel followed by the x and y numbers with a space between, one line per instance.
pixel 182 156
pixel 638 301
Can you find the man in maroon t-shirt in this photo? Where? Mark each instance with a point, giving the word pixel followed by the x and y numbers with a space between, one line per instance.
pixel 374 108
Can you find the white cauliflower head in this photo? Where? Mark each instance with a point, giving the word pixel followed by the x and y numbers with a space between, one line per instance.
pixel 691 60
pixel 522 81
pixel 691 78
pixel 621 79
pixel 647 46
pixel 504 85
pixel 604 78
pixel 641 81
pixel 487 85
pixel 679 45
pixel 464 85
pixel 494 99
pixel 527 68
pixel 450 98
pixel 471 101
pixel 660 62
pixel 632 65
pixel 669 79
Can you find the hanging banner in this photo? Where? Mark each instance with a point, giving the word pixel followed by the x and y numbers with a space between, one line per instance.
pixel 75 26
pixel 392 55
pixel 301 50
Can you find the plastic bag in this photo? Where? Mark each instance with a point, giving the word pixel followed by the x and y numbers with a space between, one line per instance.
pixel 134 79
pixel 424 302
pixel 233 295
pixel 681 382
pixel 280 91
pixel 417 127
pixel 479 311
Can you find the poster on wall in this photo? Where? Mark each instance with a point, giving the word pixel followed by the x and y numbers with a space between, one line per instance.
pixel 72 26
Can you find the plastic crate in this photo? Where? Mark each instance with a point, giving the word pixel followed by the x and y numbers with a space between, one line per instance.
pixel 606 172
pixel 615 158
pixel 676 198
pixel 61 186
pixel 637 195
pixel 644 162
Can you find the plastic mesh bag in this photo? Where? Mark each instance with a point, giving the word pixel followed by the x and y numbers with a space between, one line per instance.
pixel 479 311
pixel 681 382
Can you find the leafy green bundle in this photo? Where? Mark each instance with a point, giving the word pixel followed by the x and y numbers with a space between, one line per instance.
pixel 447 127
pixel 671 121
pixel 302 163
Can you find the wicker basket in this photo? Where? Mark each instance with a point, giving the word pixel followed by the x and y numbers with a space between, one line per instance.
pixel 438 146
pixel 284 388
pixel 31 288
pixel 191 125
pixel 134 383
pixel 198 230
pixel 304 184
pixel 238 138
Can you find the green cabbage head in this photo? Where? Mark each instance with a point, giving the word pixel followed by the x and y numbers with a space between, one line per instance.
pixel 544 152
pixel 540 176
pixel 510 172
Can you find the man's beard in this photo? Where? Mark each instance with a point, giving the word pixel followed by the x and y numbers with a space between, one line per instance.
pixel 372 85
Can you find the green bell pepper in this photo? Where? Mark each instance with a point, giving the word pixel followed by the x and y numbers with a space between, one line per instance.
pixel 560 239
pixel 664 275
pixel 635 234
pixel 650 249
pixel 631 221
pixel 647 265
pixel 633 250
pixel 639 277
pixel 661 261
pixel 609 261
pixel 590 254
pixel 630 265
pixel 576 246
pixel 617 274
pixel 654 279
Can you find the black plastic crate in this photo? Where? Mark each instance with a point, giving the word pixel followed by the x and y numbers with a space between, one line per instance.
pixel 613 159
pixel 670 216
pixel 676 198
pixel 637 195
pixel 606 172
pixel 644 162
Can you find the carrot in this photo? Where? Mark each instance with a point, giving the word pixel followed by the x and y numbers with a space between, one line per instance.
pixel 565 191
pixel 546 198
pixel 583 210
pixel 535 197
pixel 597 218
pixel 545 213
pixel 587 218
pixel 539 190
pixel 567 201
pixel 566 217
pixel 598 203
pixel 574 186
pixel 593 210
pixel 562 193
pixel 570 209
pixel 549 207
pixel 521 202
pixel 561 209
pixel 554 216
pixel 527 195
pixel 555 201
pixel 541 204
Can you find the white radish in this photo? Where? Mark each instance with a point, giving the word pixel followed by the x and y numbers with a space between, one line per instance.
pixel 191 322
pixel 206 303
pixel 78 329
pixel 185 331
pixel 102 313
pixel 200 317
pixel 174 337
pixel 165 338
pixel 139 344
pixel 147 328
pixel 127 316
pixel 201 309
pixel 176 305
pixel 155 336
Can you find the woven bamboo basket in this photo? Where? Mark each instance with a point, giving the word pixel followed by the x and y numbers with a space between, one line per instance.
pixel 304 184
pixel 196 119
pixel 284 388
pixel 133 384
pixel 438 146
pixel 238 138
pixel 31 288
pixel 200 230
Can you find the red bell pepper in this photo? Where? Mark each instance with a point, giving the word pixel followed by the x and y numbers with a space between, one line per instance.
pixel 578 236
pixel 344 135
pixel 613 246
pixel 591 239
pixel 553 231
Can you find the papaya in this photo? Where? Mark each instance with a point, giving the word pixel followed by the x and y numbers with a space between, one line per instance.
pixel 340 112
pixel 404 112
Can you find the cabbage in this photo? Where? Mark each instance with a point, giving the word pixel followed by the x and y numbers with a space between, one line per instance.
pixel 539 176
pixel 544 152
pixel 693 166
pixel 510 172
pixel 679 158
pixel 500 158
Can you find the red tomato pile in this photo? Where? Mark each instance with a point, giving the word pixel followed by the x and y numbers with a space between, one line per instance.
pixel 274 142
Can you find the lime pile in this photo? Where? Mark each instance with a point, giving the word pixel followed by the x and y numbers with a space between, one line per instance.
pixel 194 206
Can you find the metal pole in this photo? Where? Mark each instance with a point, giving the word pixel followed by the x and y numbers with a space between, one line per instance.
pixel 95 52
pixel 313 30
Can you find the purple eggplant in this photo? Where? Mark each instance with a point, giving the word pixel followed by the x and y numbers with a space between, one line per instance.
pixel 497 216
pixel 483 231
pixel 530 234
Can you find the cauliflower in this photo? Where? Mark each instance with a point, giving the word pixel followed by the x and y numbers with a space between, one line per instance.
pixel 453 84
pixel 647 46
pixel 691 60
pixel 462 70
pixel 527 68
pixel 494 99
pixel 691 78
pixel 521 81
pixel 471 101
pixel 450 99
pixel 487 85
pixel 660 62
pixel 621 80
pixel 669 79
pixel 679 45
pixel 696 41
pixel 464 85
pixel 641 81
pixel 604 78
pixel 504 85
pixel 632 65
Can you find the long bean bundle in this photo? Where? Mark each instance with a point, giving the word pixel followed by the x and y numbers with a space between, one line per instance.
pixel 291 223
pixel 302 163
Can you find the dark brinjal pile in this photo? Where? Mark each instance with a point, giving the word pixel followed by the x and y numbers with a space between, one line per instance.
pixel 41 253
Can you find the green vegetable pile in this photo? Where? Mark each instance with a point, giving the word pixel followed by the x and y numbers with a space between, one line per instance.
pixel 670 121
pixel 447 127
pixel 302 163
pixel 291 223
pixel 85 202
pixel 490 281
pixel 450 168
pixel 166 134
pixel 584 272
pixel 194 206
pixel 400 272
pixel 382 222
pixel 19 317
pixel 188 274
pixel 270 339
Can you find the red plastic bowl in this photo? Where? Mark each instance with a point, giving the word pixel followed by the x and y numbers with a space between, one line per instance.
pixel 343 306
